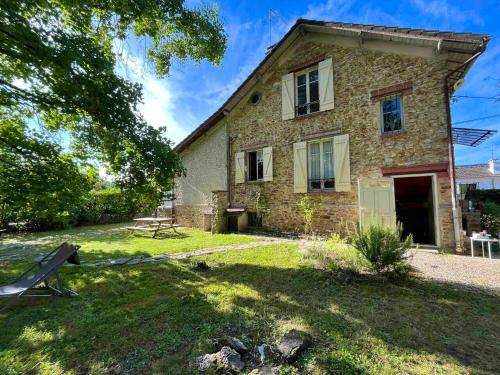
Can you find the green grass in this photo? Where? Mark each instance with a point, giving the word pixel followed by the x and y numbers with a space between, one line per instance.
pixel 113 241
pixel 155 318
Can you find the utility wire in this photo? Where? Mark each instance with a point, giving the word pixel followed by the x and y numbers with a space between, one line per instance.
pixel 476 119
pixel 477 97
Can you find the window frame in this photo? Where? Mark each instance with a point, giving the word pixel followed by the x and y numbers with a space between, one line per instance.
pixel 247 164
pixel 401 109
pixel 322 165
pixel 308 90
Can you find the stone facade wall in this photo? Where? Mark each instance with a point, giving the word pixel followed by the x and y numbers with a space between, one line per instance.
pixel 206 171
pixel 356 73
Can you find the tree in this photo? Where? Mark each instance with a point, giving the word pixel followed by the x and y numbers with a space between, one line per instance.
pixel 39 182
pixel 57 60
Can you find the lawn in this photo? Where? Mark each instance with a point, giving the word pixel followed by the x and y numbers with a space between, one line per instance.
pixel 113 241
pixel 155 318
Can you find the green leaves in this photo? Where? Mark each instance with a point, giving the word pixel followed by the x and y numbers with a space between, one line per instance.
pixel 57 61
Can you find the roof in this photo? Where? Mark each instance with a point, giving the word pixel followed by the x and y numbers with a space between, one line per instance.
pixel 460 47
pixel 472 171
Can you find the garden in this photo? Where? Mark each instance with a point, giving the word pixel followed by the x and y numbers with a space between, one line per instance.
pixel 159 317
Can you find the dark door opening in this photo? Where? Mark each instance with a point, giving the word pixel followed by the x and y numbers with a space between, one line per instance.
pixel 415 208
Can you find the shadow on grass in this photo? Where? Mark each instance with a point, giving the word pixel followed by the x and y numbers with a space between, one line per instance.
pixel 156 318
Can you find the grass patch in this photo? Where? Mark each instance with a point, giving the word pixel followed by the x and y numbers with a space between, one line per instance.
pixel 113 241
pixel 154 318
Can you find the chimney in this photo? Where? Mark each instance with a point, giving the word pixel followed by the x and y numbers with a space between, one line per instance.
pixel 494 166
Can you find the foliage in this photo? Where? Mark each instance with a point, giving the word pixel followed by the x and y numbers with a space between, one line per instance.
pixel 114 203
pixel 343 260
pixel 58 62
pixel 383 248
pixel 308 208
pixel 490 217
pixel 40 184
pixel 259 202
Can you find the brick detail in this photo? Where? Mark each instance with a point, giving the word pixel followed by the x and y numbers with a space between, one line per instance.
pixel 440 168
pixel 402 89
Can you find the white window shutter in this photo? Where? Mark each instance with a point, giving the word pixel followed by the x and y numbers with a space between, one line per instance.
pixel 300 167
pixel 240 167
pixel 325 71
pixel 287 96
pixel 267 155
pixel 342 167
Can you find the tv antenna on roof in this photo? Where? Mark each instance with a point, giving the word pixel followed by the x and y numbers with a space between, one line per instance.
pixel 273 13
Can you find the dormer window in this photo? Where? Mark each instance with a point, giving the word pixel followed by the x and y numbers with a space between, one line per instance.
pixel 307 92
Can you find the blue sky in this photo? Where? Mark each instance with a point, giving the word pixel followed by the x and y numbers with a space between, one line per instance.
pixel 193 92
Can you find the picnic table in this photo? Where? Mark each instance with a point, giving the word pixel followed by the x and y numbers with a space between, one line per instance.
pixel 154 224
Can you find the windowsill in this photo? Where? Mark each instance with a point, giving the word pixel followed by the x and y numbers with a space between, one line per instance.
pixel 393 133
pixel 255 182
pixel 308 115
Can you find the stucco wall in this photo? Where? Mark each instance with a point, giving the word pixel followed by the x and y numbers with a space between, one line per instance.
pixel 206 171
pixel 357 71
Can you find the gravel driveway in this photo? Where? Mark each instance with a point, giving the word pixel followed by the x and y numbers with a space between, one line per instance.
pixel 461 270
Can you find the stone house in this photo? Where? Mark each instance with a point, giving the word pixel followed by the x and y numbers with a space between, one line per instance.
pixel 354 116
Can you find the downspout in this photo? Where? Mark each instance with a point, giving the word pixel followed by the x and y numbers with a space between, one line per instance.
pixel 451 154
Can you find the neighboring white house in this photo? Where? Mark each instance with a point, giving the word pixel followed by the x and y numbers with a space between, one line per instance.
pixel 478 176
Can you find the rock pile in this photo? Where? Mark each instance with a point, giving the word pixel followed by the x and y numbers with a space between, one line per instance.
pixel 234 356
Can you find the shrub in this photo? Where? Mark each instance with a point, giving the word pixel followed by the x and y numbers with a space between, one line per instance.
pixel 335 255
pixel 490 217
pixel 308 209
pixel 382 247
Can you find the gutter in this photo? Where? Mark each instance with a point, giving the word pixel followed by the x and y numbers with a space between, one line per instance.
pixel 451 154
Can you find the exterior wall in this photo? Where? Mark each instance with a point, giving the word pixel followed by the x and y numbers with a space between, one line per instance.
pixel 206 171
pixel 357 72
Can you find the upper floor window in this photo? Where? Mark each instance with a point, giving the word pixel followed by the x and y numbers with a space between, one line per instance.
pixel 307 92
pixel 392 114
pixel 321 171
pixel 255 165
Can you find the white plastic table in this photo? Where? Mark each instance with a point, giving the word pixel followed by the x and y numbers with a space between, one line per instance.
pixel 489 241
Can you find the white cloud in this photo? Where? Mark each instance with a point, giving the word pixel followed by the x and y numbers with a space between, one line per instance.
pixel 159 101
pixel 443 10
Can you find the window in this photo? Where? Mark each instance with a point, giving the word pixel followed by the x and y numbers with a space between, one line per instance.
pixel 321 173
pixel 392 114
pixel 255 163
pixel 307 92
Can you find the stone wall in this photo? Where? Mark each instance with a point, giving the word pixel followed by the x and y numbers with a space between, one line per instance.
pixel 356 73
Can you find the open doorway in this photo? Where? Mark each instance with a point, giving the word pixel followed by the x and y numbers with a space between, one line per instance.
pixel 414 200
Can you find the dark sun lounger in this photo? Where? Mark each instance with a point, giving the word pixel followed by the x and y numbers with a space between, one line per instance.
pixel 36 283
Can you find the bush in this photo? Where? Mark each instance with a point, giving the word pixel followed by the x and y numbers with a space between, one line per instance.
pixel 113 205
pixel 337 256
pixel 308 209
pixel 490 217
pixel 383 248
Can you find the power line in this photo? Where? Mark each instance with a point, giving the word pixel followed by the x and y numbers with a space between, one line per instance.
pixel 477 97
pixel 476 119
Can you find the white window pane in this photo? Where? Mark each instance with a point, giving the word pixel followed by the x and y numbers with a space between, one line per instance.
pixel 301 80
pixel 301 95
pixel 328 159
pixel 315 161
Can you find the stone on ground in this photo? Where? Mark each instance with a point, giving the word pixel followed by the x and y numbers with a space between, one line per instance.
pixel 291 345
pixel 206 362
pixel 230 359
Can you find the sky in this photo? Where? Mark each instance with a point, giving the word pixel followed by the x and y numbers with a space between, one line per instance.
pixel 192 92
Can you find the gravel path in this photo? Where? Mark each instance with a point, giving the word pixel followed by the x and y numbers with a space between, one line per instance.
pixel 460 270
